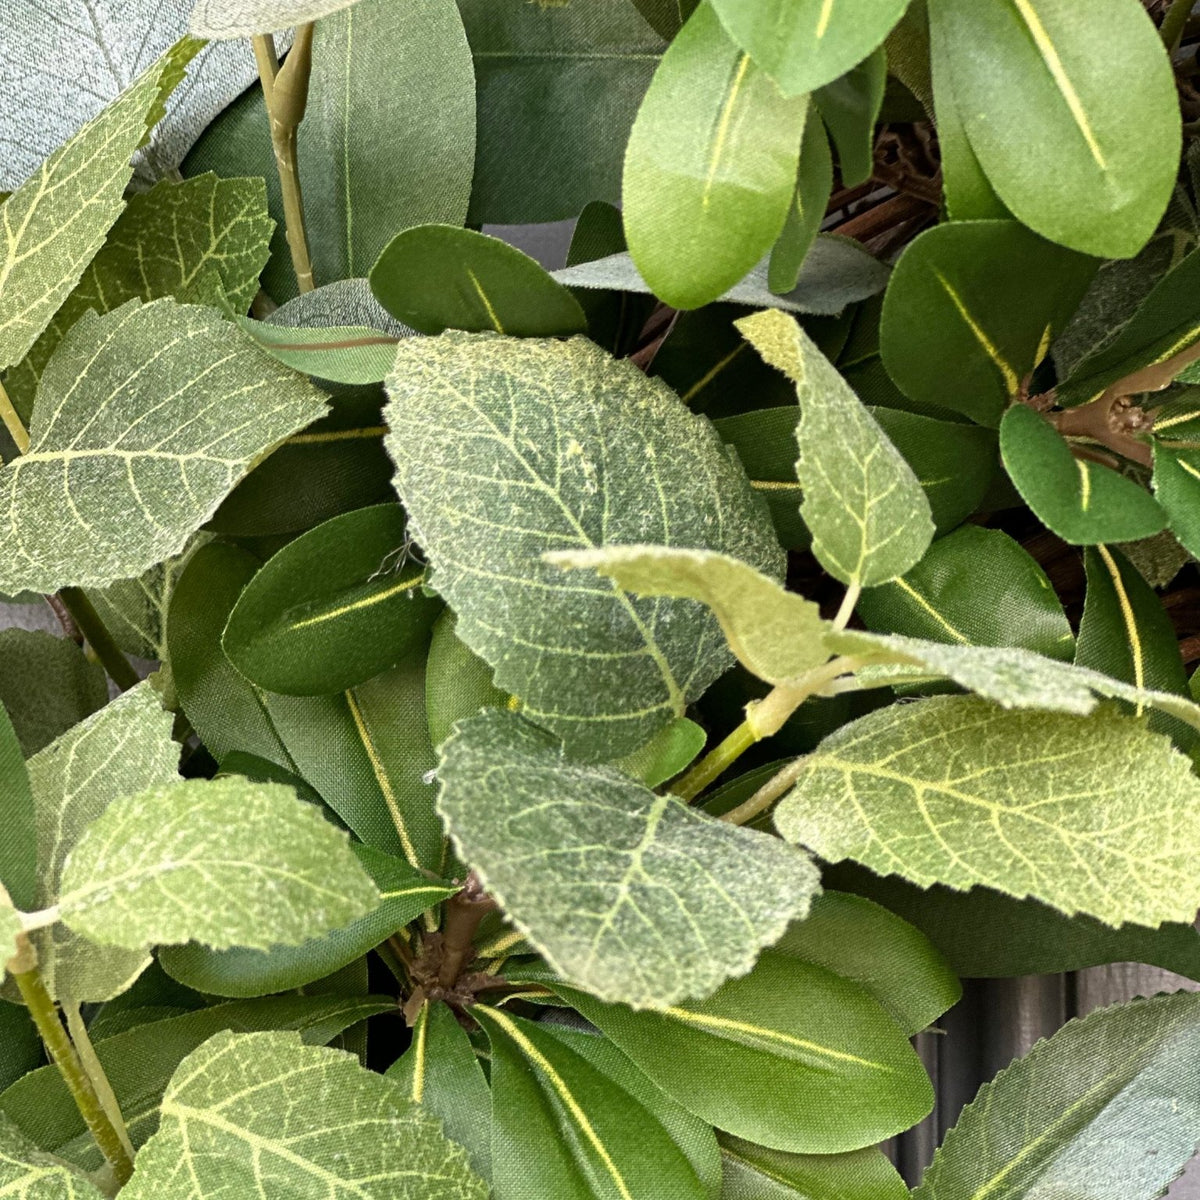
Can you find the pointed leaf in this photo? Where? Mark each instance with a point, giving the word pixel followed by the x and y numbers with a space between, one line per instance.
pixel 226 1124
pixel 225 862
pixel 814 185
pixel 849 107
pixel 710 168
pixel 756 1173
pixel 625 461
pixel 227 19
pixel 634 896
pixel 953 790
pixel 152 474
pixel 869 518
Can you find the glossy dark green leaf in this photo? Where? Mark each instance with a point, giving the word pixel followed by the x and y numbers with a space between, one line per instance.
pixel 1096 161
pixel 1084 502
pixel 1177 488
pixel 350 355
pixel 562 1128
pixel 975 587
pixel 766 443
pixel 438 277
pixel 18 847
pixel 404 894
pixel 710 169
pixel 46 685
pixel 985 295
pixel 814 184
pixel 335 607
pixel 790 1056
pixel 850 106
pixel 557 87
pixel 756 1173
pixel 803 44
pixel 458 683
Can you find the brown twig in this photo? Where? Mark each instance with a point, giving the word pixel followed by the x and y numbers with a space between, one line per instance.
pixel 464 912
pixel 1113 420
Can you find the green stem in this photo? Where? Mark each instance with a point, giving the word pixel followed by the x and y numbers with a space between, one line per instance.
pixel 765 796
pixel 78 1031
pixel 41 1008
pixel 846 611
pixel 12 421
pixel 715 762
pixel 91 625
pixel 1174 23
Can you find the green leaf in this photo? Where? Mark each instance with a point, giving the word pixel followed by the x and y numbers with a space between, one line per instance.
pixel 1177 489
pixel 563 1128
pixel 539 70
pixel 333 608
pixel 354 134
pixel 1098 155
pixel 635 897
pixel 869 518
pixel 860 940
pixel 756 1173
pixel 850 106
pixel 1108 1108
pixel 458 683
pixel 836 272
pixel 57 220
pixel 47 685
pixel 225 862
pixel 437 277
pixel 814 185
pixel 804 44
pixel 202 241
pixel 225 1124
pixel 666 754
pixel 775 634
pixel 21 1049
pixel 710 169
pixel 18 847
pixel 11 927
pixel 404 894
pixel 986 295
pixel 152 474
pixel 1084 502
pixel 228 19
pixel 956 791
pixel 123 749
pixel 441 1072
pixel 140 1062
pixel 26 1174
pixel 352 354
pixel 625 460
pixel 791 1056
pixel 974 587
pixel 666 16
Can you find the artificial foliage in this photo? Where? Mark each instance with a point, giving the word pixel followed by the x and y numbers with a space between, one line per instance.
pixel 560 734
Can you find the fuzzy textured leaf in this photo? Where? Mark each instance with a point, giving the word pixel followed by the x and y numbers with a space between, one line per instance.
pixel 226 862
pixel 27 1174
pixel 222 20
pixel 632 896
pixel 1097 816
pixel 138 479
pixel 506 448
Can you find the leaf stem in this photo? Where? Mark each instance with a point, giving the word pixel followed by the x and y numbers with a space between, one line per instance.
pixel 715 762
pixel 846 611
pixel 12 422
pixel 766 795
pixel 1174 23
pixel 285 93
pixel 78 1031
pixel 24 970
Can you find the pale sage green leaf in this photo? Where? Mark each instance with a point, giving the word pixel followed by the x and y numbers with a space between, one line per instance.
pixel 224 862
pixel 836 272
pixel 11 927
pixel 1107 1108
pixel 222 20
pixel 710 169
pixel 112 485
pixel 634 897
pixel 345 302
pixel 238 1119
pixel 351 354
pixel 506 448
pixel 28 1174
pixel 869 518
pixel 56 221
pixel 202 241
pixel 123 749
pixel 1087 814
pixel 776 634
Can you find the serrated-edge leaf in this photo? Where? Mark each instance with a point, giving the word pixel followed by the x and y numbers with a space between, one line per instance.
pixel 224 20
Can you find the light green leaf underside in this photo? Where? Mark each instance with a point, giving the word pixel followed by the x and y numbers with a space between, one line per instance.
pixel 508 448
pixel 202 241
pixel 1093 815
pixel 223 20
pixel 112 485
pixel 756 1173
pixel 54 223
pixel 776 634
pixel 123 749
pixel 10 928
pixel 225 862
pixel 864 506
pixel 351 354
pixel 632 896
pixel 1107 1108
pixel 238 1119
pixel 27 1174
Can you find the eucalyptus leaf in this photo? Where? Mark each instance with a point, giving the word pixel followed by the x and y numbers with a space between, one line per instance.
pixel 152 474
pixel 225 862
pixel 710 169
pixel 625 460
pixel 228 19
pixel 218 1136
pixel 953 790
pixel 352 354
pixel 635 897
pixel 869 518
pixel 756 1173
